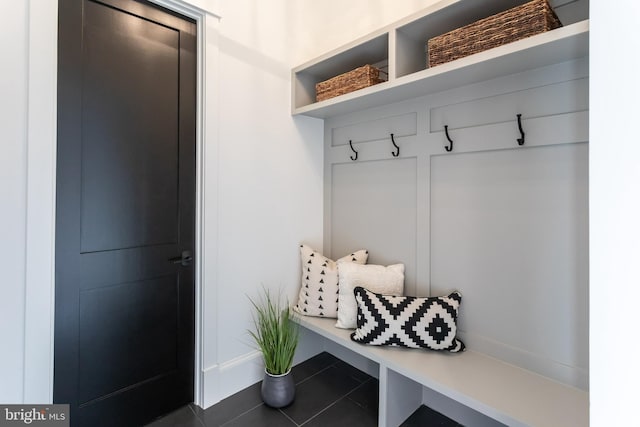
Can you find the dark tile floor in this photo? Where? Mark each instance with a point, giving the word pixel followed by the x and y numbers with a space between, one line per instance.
pixel 329 392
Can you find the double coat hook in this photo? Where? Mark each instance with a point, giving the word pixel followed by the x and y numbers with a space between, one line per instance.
pixel 397 152
pixel 450 146
pixel 520 140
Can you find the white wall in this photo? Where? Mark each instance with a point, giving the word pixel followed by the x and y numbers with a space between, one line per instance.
pixel 269 173
pixel 614 212
pixel 13 172
pixel 321 26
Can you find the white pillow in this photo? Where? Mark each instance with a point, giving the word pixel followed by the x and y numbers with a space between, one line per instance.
pixel 319 290
pixel 375 278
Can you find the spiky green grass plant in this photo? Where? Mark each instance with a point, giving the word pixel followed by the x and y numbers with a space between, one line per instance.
pixel 275 333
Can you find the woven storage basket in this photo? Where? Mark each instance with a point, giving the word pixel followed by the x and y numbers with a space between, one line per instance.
pixel 359 78
pixel 523 21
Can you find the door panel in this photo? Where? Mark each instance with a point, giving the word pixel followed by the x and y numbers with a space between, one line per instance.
pixel 130 85
pixel 124 334
pixel 129 333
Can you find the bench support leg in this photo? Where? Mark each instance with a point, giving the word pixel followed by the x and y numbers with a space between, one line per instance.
pixel 399 398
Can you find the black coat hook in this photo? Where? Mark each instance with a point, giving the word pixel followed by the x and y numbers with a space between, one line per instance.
pixel 520 140
pixel 446 132
pixel 397 152
pixel 354 151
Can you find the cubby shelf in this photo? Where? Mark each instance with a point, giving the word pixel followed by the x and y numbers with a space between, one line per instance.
pixel 400 44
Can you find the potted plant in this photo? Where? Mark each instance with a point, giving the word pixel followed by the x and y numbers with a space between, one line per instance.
pixel 277 337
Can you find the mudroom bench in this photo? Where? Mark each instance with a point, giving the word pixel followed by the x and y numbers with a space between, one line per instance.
pixel 502 392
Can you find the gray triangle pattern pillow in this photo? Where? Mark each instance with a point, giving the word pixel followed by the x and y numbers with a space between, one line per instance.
pixel 319 287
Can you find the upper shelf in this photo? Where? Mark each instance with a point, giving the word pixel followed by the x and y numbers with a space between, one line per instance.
pixel 401 44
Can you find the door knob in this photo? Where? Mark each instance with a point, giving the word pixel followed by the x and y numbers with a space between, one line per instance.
pixel 184 259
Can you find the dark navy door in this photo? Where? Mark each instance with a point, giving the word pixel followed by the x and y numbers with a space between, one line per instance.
pixel 124 313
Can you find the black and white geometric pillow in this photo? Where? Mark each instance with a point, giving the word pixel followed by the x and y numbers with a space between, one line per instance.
pixel 319 285
pixel 408 321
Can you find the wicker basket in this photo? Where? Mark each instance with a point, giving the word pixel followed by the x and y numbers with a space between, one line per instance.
pixel 523 21
pixel 359 78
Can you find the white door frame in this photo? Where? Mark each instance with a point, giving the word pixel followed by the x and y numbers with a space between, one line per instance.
pixel 41 182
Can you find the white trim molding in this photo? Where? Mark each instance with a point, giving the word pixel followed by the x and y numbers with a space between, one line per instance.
pixel 236 374
pixel 41 201
pixel 196 9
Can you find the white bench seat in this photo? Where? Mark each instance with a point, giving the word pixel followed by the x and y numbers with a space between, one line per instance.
pixel 501 391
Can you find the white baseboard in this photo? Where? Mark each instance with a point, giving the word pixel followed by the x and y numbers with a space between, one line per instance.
pixel 224 379
pixel 227 378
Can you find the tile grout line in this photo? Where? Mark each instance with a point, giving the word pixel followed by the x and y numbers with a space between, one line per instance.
pixel 201 421
pixel 241 414
pixel 346 395
pixel 334 364
pixel 288 417
pixel 323 410
pixel 317 373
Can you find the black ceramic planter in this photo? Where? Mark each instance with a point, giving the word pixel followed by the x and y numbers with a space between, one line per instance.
pixel 278 391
